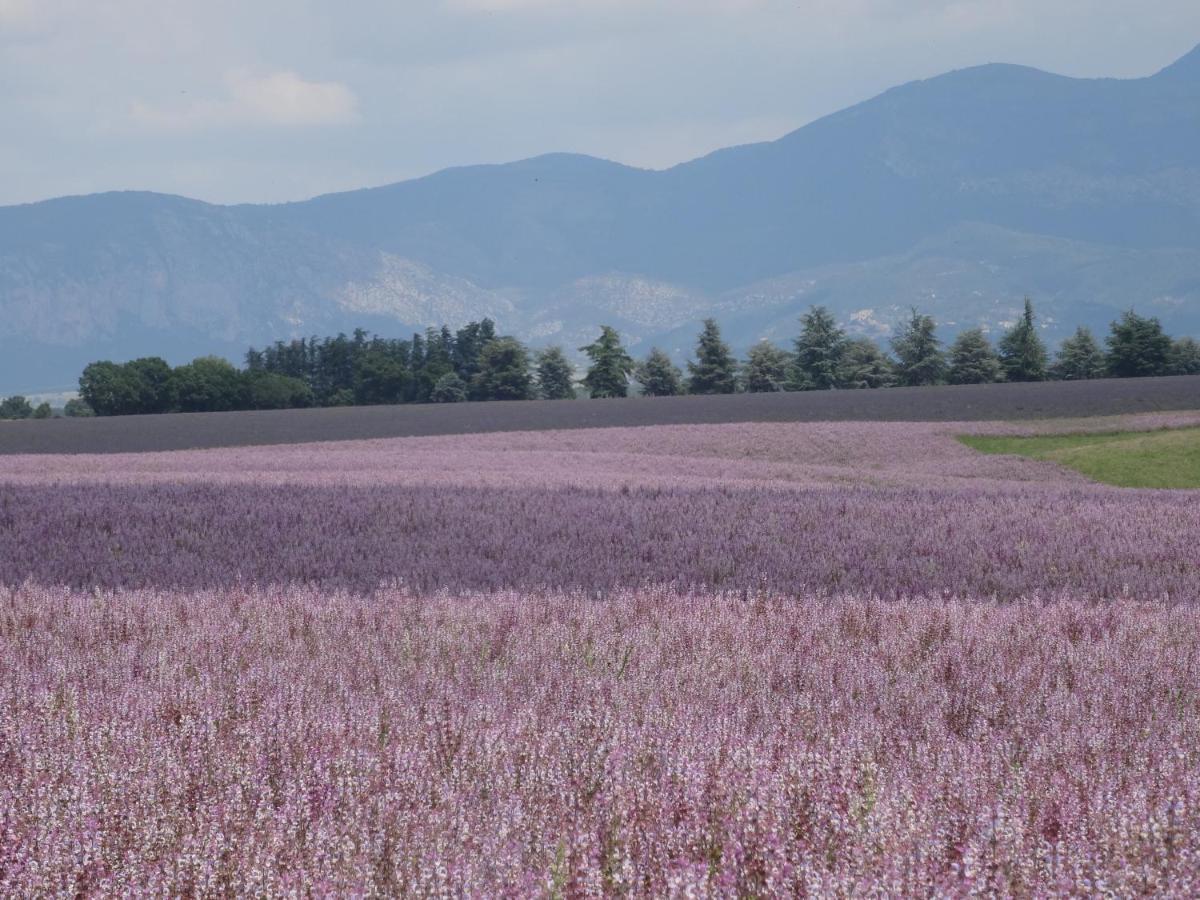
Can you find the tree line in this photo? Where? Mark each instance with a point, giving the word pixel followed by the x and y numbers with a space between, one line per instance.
pixel 475 363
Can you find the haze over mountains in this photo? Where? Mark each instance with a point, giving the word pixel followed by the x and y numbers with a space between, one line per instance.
pixel 960 195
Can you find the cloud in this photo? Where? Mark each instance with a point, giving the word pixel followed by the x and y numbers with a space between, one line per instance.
pixel 281 99
pixel 15 12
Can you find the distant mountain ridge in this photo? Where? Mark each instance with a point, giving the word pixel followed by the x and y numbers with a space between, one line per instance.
pixel 958 194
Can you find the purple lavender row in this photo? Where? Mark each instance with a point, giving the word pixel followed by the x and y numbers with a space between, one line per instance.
pixel 1077 542
pixel 300 743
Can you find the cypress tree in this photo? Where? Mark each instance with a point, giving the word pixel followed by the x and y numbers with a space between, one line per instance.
pixel 658 376
pixel 819 351
pixel 864 365
pixel 920 360
pixel 972 360
pixel 608 375
pixel 715 370
pixel 1184 358
pixel 1022 353
pixel 767 368
pixel 1137 347
pixel 1079 357
pixel 555 375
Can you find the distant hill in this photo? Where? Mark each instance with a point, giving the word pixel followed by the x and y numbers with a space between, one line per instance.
pixel 959 194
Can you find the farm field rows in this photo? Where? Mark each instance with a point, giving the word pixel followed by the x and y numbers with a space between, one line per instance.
pixel 976 402
pixel 707 660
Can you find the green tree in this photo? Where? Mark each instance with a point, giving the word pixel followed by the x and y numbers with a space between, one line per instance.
pixel 658 376
pixel 209 384
pixel 972 360
pixel 1079 358
pixel 78 409
pixel 503 371
pixel 715 369
pixel 819 350
pixel 15 407
pixel 155 384
pixel 555 375
pixel 919 356
pixel 268 390
pixel 864 365
pixel 1022 353
pixel 1137 347
pixel 43 411
pixel 1184 358
pixel 766 369
pixel 380 378
pixel 608 375
pixel 110 389
pixel 449 389
pixel 469 342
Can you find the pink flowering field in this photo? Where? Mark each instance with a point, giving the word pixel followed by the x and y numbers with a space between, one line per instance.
pixel 703 661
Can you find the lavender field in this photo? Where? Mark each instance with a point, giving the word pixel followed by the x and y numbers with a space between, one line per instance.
pixel 731 660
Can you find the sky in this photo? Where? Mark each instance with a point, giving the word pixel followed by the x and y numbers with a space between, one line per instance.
pixel 274 100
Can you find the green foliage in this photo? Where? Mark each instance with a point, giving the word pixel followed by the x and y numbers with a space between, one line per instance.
pixel 449 389
pixel 864 365
pixel 42 411
pixel 469 342
pixel 110 389
pixel 379 377
pixel 1022 353
pixel 503 372
pixel 715 369
pixel 608 375
pixel 1184 358
pixel 766 369
pixel 155 386
pixel 15 407
pixel 1079 358
pixel 78 409
pixel 920 360
pixel 209 384
pixel 266 390
pixel 1140 459
pixel 555 375
pixel 972 360
pixel 819 351
pixel 1137 347
pixel 658 376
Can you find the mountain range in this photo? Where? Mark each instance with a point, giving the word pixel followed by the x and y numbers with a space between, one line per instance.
pixel 959 195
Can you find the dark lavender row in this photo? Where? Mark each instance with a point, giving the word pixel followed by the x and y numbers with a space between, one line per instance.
pixel 890 543
pixel 957 403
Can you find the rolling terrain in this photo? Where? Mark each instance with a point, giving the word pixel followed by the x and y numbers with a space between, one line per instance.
pixel 959 194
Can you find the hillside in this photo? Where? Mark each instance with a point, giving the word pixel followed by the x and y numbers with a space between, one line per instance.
pixel 959 194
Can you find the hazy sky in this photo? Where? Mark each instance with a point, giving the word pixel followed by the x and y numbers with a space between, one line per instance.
pixel 266 100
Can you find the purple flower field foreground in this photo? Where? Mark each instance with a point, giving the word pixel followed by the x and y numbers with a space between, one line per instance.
pixel 650 744
pixel 706 661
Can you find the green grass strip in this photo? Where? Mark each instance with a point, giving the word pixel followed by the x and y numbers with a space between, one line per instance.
pixel 1141 459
